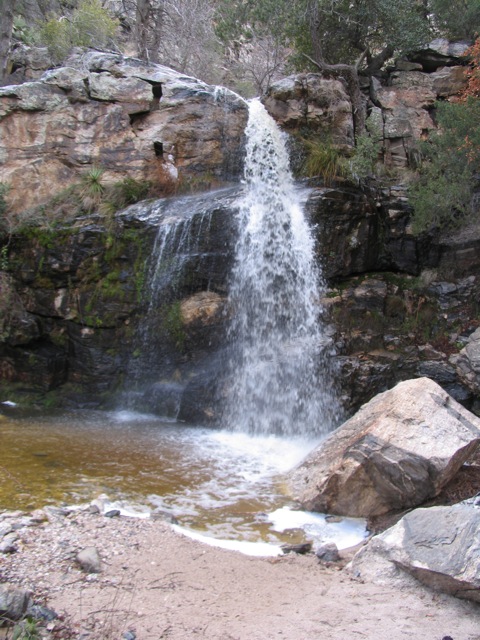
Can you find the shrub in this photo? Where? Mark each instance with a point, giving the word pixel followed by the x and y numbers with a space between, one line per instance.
pixel 443 194
pixel 323 159
pixel 363 162
pixel 90 25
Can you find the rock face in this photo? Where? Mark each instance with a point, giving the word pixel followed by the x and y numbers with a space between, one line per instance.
pixel 310 100
pixel 74 304
pixel 439 546
pixel 398 450
pixel 406 107
pixel 468 363
pixel 131 118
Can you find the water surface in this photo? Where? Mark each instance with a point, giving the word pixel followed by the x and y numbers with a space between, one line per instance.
pixel 220 484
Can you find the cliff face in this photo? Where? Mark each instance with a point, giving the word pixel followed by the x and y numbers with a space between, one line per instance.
pixel 132 119
pixel 74 299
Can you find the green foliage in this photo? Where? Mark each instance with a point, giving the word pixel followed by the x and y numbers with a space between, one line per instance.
pixel 173 324
pixel 128 191
pixel 4 262
pixel 4 189
pixel 459 19
pixel 22 31
pixel 443 194
pixel 27 629
pixel 242 19
pixel 365 156
pixel 90 25
pixel 346 29
pixel 92 189
pixel 323 159
pixel 91 193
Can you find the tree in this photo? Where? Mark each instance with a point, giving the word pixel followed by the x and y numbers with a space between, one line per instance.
pixel 459 19
pixel 255 38
pixel 443 195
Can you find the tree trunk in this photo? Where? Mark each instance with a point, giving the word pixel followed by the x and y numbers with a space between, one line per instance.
pixel 348 72
pixel 6 26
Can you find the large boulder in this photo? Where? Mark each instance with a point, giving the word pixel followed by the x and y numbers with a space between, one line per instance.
pixel 129 117
pixel 313 101
pixel 399 450
pixel 439 546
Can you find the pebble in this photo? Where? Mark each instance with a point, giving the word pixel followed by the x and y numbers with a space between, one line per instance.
pixel 7 544
pixel 113 513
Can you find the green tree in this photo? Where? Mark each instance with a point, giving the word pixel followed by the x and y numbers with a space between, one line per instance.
pixel 443 196
pixel 459 19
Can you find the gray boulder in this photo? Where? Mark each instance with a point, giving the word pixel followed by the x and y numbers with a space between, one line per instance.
pixel 131 118
pixel 468 363
pixel 14 602
pixel 439 546
pixel 89 560
pixel 399 450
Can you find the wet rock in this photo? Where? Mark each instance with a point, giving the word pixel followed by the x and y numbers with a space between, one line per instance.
pixel 14 602
pixel 112 513
pixel 398 450
pixel 439 546
pixel 300 548
pixel 89 560
pixel 165 516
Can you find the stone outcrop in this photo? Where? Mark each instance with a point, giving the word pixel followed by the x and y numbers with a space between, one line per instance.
pixel 439 546
pixel 398 450
pixel 406 105
pixel 128 117
pixel 402 305
pixel 310 100
pixel 400 104
pixel 439 53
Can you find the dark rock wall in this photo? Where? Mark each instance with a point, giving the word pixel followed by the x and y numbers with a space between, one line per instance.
pixel 401 306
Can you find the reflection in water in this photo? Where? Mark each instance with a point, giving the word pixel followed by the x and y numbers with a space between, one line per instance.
pixel 220 483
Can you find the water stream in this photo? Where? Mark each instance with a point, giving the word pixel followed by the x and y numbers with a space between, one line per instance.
pixel 281 378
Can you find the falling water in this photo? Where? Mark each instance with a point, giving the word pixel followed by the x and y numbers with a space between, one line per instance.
pixel 280 380
pixel 181 261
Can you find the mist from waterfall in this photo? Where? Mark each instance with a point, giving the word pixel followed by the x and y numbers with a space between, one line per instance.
pixel 280 378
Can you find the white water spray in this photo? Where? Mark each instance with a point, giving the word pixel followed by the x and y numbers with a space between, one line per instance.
pixel 280 380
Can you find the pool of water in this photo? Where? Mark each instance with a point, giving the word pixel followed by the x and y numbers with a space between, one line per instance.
pixel 219 484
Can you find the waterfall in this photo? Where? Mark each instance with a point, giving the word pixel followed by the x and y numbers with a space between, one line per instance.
pixel 280 380
pixel 188 255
